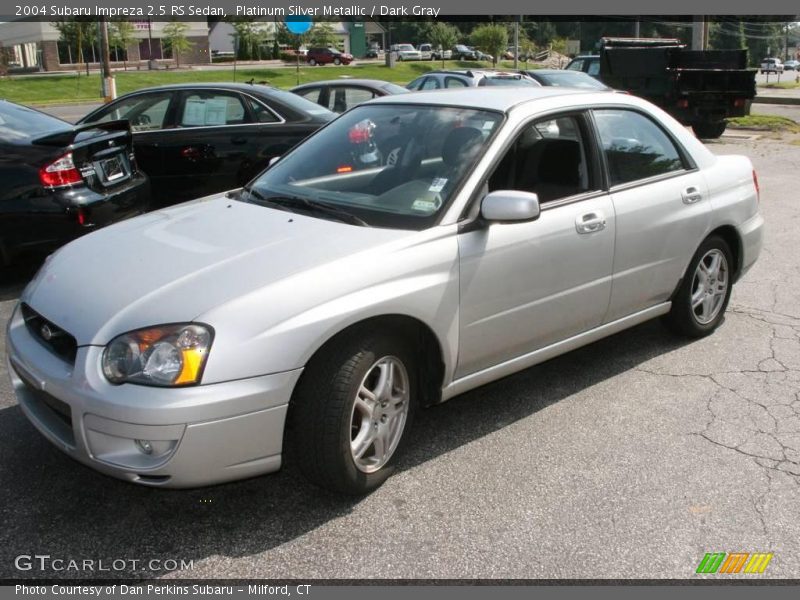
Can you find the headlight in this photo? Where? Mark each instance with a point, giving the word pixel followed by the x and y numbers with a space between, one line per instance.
pixel 168 355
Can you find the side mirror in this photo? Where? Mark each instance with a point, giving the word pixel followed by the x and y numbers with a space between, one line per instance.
pixel 508 206
pixel 273 160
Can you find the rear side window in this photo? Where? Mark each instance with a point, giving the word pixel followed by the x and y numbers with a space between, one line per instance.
pixel 261 114
pixel 144 111
pixel 209 109
pixel 454 82
pixel 635 147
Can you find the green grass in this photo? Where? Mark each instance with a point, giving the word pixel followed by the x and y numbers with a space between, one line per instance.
pixel 784 85
pixel 57 89
pixel 765 123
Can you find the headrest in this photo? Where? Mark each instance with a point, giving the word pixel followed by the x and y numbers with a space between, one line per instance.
pixel 458 144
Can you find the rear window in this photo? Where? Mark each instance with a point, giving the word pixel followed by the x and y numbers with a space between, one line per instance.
pixel 22 123
pixel 394 89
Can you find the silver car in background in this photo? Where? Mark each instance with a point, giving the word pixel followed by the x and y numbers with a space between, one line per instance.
pixel 417 247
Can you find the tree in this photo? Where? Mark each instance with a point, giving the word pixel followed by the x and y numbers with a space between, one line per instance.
pixel 442 36
pixel 121 35
pixel 79 33
pixel 322 35
pixel 175 40
pixel 492 39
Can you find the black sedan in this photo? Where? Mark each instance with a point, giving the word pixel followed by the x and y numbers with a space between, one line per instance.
pixel 199 139
pixel 340 95
pixel 564 78
pixel 60 181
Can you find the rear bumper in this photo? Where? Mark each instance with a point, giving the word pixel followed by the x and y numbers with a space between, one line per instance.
pixel 751 232
pixel 197 436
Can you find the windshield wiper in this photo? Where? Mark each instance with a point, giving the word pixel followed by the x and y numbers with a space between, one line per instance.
pixel 294 202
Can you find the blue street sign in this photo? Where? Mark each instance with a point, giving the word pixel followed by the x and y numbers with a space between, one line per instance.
pixel 298 24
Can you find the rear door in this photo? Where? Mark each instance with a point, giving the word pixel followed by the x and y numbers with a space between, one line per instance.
pixel 661 205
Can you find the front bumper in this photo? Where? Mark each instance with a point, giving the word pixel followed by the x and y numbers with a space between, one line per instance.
pixel 196 436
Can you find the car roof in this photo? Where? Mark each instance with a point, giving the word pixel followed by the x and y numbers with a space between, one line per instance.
pixel 242 87
pixel 500 99
pixel 377 83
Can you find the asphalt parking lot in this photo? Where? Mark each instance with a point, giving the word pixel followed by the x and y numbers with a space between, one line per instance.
pixel 630 458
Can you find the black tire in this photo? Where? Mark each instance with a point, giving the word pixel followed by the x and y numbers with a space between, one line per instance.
pixel 709 129
pixel 322 411
pixel 312 62
pixel 682 318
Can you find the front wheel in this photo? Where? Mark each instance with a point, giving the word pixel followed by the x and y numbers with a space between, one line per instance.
pixel 700 302
pixel 337 62
pixel 312 62
pixel 351 412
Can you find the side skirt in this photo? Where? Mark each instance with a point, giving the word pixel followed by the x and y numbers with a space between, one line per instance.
pixel 469 382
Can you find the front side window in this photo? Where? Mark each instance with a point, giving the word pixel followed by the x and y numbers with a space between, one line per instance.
pixel 635 147
pixel 575 65
pixel 431 83
pixel 549 158
pixel 208 109
pixel 311 94
pixel 144 111
pixel 394 166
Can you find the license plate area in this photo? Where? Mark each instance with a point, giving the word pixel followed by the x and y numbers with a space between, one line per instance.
pixel 113 170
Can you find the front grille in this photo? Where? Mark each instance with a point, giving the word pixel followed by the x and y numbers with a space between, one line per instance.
pixel 50 335
pixel 54 414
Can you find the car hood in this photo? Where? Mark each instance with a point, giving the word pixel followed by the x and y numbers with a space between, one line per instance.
pixel 176 264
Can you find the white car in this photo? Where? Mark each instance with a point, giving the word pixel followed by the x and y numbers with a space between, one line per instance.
pixel 406 52
pixel 314 311
pixel 771 65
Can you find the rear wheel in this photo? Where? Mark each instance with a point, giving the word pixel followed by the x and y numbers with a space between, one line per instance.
pixel 709 129
pixel 699 304
pixel 351 411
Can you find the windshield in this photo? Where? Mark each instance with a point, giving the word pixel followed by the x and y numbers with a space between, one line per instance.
pixel 394 166
pixel 512 80
pixel 405 48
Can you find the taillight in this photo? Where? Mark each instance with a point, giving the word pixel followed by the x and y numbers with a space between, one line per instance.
pixel 758 189
pixel 738 103
pixel 60 172
pixel 683 103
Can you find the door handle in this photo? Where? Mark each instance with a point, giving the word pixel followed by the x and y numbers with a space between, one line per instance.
pixel 590 222
pixel 691 195
pixel 238 141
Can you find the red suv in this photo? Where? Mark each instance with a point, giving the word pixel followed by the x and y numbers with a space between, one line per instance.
pixel 324 56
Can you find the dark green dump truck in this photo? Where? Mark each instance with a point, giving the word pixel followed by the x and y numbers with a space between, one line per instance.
pixel 700 88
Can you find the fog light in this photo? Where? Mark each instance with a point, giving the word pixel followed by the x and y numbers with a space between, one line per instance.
pixel 144 446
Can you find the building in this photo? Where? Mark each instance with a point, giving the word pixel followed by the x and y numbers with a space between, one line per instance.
pixel 38 46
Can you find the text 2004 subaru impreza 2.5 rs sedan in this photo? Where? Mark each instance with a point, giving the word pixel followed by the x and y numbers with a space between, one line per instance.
pixel 415 248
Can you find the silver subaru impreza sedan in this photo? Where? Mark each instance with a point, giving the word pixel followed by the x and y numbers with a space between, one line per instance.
pixel 417 247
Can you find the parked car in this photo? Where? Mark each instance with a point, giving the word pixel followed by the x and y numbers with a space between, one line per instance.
pixel 791 65
pixel 462 52
pixel 372 52
pixel 340 95
pixel 480 55
pixel 425 51
pixel 199 139
pixel 500 228
pixel 441 54
pixel 511 52
pixel 771 65
pixel 60 181
pixel 562 78
pixel 406 52
pixel 589 64
pixel 327 56
pixel 435 80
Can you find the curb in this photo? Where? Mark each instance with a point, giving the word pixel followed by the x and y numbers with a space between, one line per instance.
pixel 775 100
